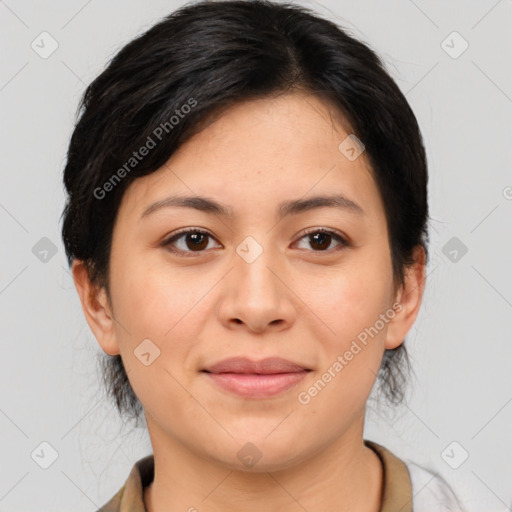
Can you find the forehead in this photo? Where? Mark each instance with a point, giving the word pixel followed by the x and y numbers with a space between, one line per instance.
pixel 261 152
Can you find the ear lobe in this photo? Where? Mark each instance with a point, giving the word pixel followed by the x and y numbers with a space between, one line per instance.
pixel 408 301
pixel 96 308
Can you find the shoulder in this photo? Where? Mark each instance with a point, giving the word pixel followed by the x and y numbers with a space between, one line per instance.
pixel 131 495
pixel 422 489
pixel 430 490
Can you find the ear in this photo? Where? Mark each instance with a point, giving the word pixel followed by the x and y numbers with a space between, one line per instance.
pixel 407 300
pixel 96 309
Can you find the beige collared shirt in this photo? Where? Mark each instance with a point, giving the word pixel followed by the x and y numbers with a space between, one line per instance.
pixel 397 488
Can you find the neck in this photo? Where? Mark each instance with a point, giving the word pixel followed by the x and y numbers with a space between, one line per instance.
pixel 345 476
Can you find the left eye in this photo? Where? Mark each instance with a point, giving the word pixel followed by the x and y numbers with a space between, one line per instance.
pixel 196 240
pixel 322 238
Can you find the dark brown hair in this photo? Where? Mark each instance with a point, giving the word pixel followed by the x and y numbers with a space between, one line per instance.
pixel 219 53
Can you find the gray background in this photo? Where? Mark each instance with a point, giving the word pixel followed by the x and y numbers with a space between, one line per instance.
pixel 461 343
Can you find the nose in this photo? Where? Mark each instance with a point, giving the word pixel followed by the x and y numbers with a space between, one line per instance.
pixel 255 295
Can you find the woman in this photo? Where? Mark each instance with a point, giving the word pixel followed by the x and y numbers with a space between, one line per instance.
pixel 247 228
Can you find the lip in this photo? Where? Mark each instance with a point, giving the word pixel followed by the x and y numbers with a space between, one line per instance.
pixel 256 379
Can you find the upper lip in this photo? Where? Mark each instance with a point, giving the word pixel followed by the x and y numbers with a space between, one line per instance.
pixel 267 366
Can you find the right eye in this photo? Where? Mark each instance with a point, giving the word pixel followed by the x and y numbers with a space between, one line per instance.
pixel 191 240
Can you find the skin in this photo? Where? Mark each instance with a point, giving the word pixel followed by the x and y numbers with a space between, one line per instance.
pixel 295 301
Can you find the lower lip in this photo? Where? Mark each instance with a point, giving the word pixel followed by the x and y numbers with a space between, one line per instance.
pixel 257 386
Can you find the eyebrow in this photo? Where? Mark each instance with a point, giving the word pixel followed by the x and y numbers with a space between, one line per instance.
pixel 286 208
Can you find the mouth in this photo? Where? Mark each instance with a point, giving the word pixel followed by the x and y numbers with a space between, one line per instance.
pixel 256 379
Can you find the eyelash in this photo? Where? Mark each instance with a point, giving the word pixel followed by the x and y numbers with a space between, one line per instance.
pixel 169 241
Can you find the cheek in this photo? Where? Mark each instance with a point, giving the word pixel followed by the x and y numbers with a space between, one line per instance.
pixel 353 300
pixel 157 303
pixel 166 308
pixel 352 353
pixel 357 295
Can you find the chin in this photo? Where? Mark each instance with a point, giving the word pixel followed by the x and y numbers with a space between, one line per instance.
pixel 260 454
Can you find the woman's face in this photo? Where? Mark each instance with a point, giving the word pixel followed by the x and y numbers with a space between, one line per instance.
pixel 262 281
